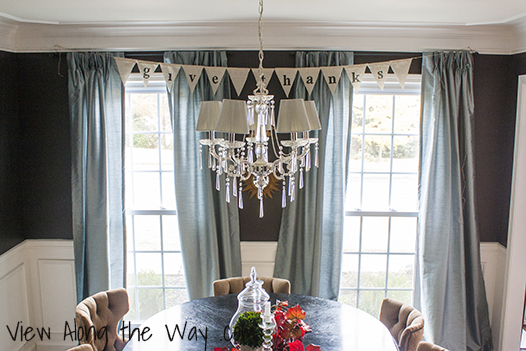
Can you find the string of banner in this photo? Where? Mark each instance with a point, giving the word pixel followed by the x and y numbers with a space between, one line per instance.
pixel 286 76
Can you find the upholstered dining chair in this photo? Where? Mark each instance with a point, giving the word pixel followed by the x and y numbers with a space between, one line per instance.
pixel 103 310
pixel 236 284
pixel 83 347
pixel 405 323
pixel 427 346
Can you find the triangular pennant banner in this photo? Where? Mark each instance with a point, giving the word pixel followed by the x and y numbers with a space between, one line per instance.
pixel 125 67
pixel 192 75
pixel 355 74
pixel 332 76
pixel 147 68
pixel 170 72
pixel 238 76
pixel 401 69
pixel 309 75
pixel 379 71
pixel 286 77
pixel 267 74
pixel 215 75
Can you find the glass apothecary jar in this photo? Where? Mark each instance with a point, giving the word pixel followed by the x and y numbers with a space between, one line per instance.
pixel 251 299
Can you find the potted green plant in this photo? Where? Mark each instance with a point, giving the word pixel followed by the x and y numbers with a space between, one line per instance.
pixel 247 331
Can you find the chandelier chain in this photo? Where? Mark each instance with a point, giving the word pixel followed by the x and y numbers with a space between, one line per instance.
pixel 261 83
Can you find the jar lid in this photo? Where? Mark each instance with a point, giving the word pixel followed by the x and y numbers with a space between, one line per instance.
pixel 253 292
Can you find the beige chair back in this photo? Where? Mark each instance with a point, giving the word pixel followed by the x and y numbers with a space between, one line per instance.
pixel 237 284
pixel 83 347
pixel 405 323
pixel 99 316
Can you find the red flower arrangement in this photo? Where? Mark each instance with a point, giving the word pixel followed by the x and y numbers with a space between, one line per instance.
pixel 290 327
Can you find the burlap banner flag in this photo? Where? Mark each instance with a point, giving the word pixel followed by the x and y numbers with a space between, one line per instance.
pixel 238 76
pixel 401 70
pixel 147 68
pixel 215 76
pixel 170 72
pixel 309 76
pixel 332 76
pixel 379 71
pixel 193 73
pixel 286 76
pixel 125 67
pixel 355 74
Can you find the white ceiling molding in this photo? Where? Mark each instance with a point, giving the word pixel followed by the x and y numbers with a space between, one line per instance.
pixel 278 35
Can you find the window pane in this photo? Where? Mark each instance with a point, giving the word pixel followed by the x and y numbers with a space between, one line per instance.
pixel 146 190
pixel 351 237
pixel 348 297
pixel 375 234
pixel 401 271
pixel 403 234
pixel 165 113
pixel 373 269
pixel 379 114
pixel 370 302
pixel 355 162
pixel 167 156
pixel 405 154
pixel 352 200
pixel 401 295
pixel 147 233
pixel 132 313
pixel 175 297
pixel 357 113
pixel 349 277
pixel 375 192
pixel 407 114
pixel 144 112
pixel 168 191
pixel 174 270
pixel 130 270
pixel 150 302
pixel 377 153
pixel 171 234
pixel 149 270
pixel 404 196
pixel 145 152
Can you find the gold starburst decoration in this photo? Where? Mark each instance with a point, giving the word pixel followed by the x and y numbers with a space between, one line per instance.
pixel 268 191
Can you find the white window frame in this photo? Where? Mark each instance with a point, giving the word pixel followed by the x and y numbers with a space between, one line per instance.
pixel 391 87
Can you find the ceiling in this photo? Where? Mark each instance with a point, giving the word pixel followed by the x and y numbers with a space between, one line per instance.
pixel 469 12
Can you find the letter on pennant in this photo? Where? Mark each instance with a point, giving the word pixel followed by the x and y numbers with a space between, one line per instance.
pixel 355 74
pixel 170 73
pixel 193 73
pixel 379 71
pixel 147 69
pixel 238 77
pixel 125 67
pixel 267 74
pixel 215 75
pixel 332 76
pixel 309 75
pixel 286 77
pixel 401 69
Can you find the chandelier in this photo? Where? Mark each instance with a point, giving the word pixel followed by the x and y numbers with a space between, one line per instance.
pixel 248 127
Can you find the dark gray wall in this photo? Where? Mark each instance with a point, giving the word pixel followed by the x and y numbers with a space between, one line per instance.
pixel 11 232
pixel 35 163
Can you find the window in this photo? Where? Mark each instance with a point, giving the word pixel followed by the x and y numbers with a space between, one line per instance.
pixel 155 275
pixel 379 243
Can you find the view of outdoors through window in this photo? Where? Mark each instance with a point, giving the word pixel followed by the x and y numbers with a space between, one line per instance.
pixel 155 275
pixel 379 245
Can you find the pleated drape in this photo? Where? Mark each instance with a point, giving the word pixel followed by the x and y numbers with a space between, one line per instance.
pixel 208 225
pixel 310 240
pixel 97 125
pixel 452 293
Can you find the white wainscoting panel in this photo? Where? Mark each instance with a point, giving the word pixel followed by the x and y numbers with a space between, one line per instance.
pixel 493 261
pixel 37 288
pixel 259 254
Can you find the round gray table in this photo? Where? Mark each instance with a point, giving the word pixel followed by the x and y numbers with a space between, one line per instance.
pixel 200 325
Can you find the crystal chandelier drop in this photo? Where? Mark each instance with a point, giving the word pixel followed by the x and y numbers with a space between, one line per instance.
pixel 248 127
